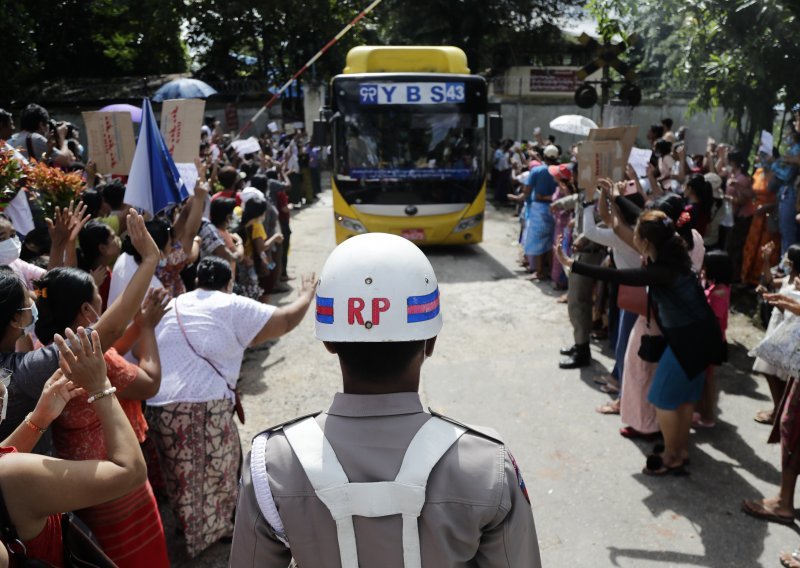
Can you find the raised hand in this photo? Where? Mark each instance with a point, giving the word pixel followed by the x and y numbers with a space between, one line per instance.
pixel 81 360
pixel 57 392
pixel 154 307
pixel 141 239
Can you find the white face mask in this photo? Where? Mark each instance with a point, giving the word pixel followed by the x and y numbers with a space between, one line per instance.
pixel 9 250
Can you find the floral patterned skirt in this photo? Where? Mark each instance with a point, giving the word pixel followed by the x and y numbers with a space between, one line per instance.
pixel 200 454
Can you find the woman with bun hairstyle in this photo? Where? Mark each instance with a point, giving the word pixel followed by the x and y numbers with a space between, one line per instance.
pixel 128 528
pixel 692 335
pixel 18 316
pixel 191 417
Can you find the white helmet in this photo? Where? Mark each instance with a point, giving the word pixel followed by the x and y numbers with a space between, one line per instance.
pixel 377 287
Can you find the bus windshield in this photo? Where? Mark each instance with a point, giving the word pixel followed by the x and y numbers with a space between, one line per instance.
pixel 408 153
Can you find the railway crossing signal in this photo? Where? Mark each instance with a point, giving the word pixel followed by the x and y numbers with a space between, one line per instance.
pixel 607 58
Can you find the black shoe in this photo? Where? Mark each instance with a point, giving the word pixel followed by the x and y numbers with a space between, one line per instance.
pixel 568 350
pixel 582 357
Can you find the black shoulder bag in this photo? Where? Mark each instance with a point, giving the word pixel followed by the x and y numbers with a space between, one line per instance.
pixel 653 346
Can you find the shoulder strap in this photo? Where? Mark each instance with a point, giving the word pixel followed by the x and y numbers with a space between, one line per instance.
pixel 258 473
pixel 189 343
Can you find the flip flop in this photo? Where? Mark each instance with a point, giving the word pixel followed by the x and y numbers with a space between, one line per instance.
pixel 790 559
pixel 757 510
pixel 656 468
pixel 764 417
pixel 608 408
pixel 631 433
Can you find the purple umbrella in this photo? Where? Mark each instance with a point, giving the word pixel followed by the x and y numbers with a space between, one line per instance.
pixel 136 112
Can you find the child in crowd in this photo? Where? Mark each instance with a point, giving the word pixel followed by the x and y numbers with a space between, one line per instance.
pixel 717 276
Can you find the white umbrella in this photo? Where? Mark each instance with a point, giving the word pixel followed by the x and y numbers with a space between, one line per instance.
pixel 573 124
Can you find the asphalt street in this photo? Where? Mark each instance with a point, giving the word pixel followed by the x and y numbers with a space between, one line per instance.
pixel 496 365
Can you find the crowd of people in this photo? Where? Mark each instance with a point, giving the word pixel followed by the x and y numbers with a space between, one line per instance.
pixel 123 338
pixel 651 261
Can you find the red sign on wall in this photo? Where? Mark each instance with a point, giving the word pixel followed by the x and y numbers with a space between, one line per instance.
pixel 553 80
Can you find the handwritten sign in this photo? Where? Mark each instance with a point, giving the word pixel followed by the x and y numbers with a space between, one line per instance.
pixel 639 159
pixel 601 159
pixel 181 120
pixel 111 141
pixel 605 154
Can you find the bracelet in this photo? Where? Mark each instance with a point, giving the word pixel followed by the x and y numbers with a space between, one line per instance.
pixel 102 394
pixel 29 423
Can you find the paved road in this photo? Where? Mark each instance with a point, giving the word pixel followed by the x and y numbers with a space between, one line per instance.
pixel 496 364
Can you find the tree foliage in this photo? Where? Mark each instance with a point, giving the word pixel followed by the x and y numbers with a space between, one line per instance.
pixel 77 38
pixel 739 55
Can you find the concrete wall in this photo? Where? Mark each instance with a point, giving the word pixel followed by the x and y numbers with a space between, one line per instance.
pixel 520 118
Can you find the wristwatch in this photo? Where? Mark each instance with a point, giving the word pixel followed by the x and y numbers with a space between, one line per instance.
pixel 589 203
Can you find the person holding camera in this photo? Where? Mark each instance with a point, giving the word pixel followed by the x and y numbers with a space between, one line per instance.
pixel 692 338
pixel 40 136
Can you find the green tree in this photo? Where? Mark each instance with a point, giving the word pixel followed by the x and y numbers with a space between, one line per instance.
pixel 738 55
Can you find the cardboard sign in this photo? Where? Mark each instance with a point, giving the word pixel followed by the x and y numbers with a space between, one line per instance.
pixel 696 141
pixel 601 159
pixel 605 154
pixel 247 146
pixel 181 120
pixel 767 143
pixel 111 141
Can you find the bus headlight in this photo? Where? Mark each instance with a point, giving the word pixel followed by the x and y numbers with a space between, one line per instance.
pixel 468 222
pixel 351 224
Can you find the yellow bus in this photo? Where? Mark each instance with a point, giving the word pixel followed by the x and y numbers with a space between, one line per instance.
pixel 409 142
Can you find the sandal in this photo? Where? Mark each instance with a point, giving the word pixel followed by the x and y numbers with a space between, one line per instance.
pixel 562 299
pixel 756 509
pixel 656 467
pixel 765 417
pixel 790 559
pixel 609 408
pixel 632 433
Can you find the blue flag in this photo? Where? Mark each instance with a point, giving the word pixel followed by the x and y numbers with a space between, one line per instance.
pixel 154 182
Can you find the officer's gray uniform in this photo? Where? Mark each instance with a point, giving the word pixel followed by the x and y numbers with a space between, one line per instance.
pixel 476 511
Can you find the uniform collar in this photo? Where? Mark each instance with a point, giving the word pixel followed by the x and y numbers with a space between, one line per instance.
pixel 360 405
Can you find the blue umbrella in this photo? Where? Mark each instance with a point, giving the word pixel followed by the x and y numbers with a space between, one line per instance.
pixel 183 89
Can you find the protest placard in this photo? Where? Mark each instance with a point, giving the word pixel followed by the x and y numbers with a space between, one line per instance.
pixel 181 120
pixel 246 146
pixel 111 141
pixel 696 141
pixel 767 143
pixel 605 154
pixel 639 159
pixel 601 159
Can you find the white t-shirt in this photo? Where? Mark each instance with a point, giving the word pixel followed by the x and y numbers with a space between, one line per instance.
pixel 124 269
pixel 219 327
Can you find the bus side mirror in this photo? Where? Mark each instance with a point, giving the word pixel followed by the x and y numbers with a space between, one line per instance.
pixel 495 127
pixel 319 136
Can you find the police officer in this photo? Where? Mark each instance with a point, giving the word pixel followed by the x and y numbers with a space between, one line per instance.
pixel 375 481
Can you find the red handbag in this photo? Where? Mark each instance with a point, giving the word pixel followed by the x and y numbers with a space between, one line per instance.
pixel 632 299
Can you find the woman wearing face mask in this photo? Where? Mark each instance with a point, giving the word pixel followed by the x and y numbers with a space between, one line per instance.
pixel 100 248
pixel 69 298
pixel 37 489
pixel 191 417
pixel 690 328
pixel 18 315
pixel 176 243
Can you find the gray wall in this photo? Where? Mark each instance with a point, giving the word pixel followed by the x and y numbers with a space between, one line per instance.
pixel 519 119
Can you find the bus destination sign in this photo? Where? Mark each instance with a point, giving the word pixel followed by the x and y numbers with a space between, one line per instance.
pixel 411 93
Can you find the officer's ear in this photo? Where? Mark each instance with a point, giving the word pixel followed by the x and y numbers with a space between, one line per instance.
pixel 429 345
pixel 331 347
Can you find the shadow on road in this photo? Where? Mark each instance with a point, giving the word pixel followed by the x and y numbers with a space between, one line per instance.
pixel 454 264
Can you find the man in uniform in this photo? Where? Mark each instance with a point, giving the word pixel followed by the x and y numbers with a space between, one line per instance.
pixel 376 481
